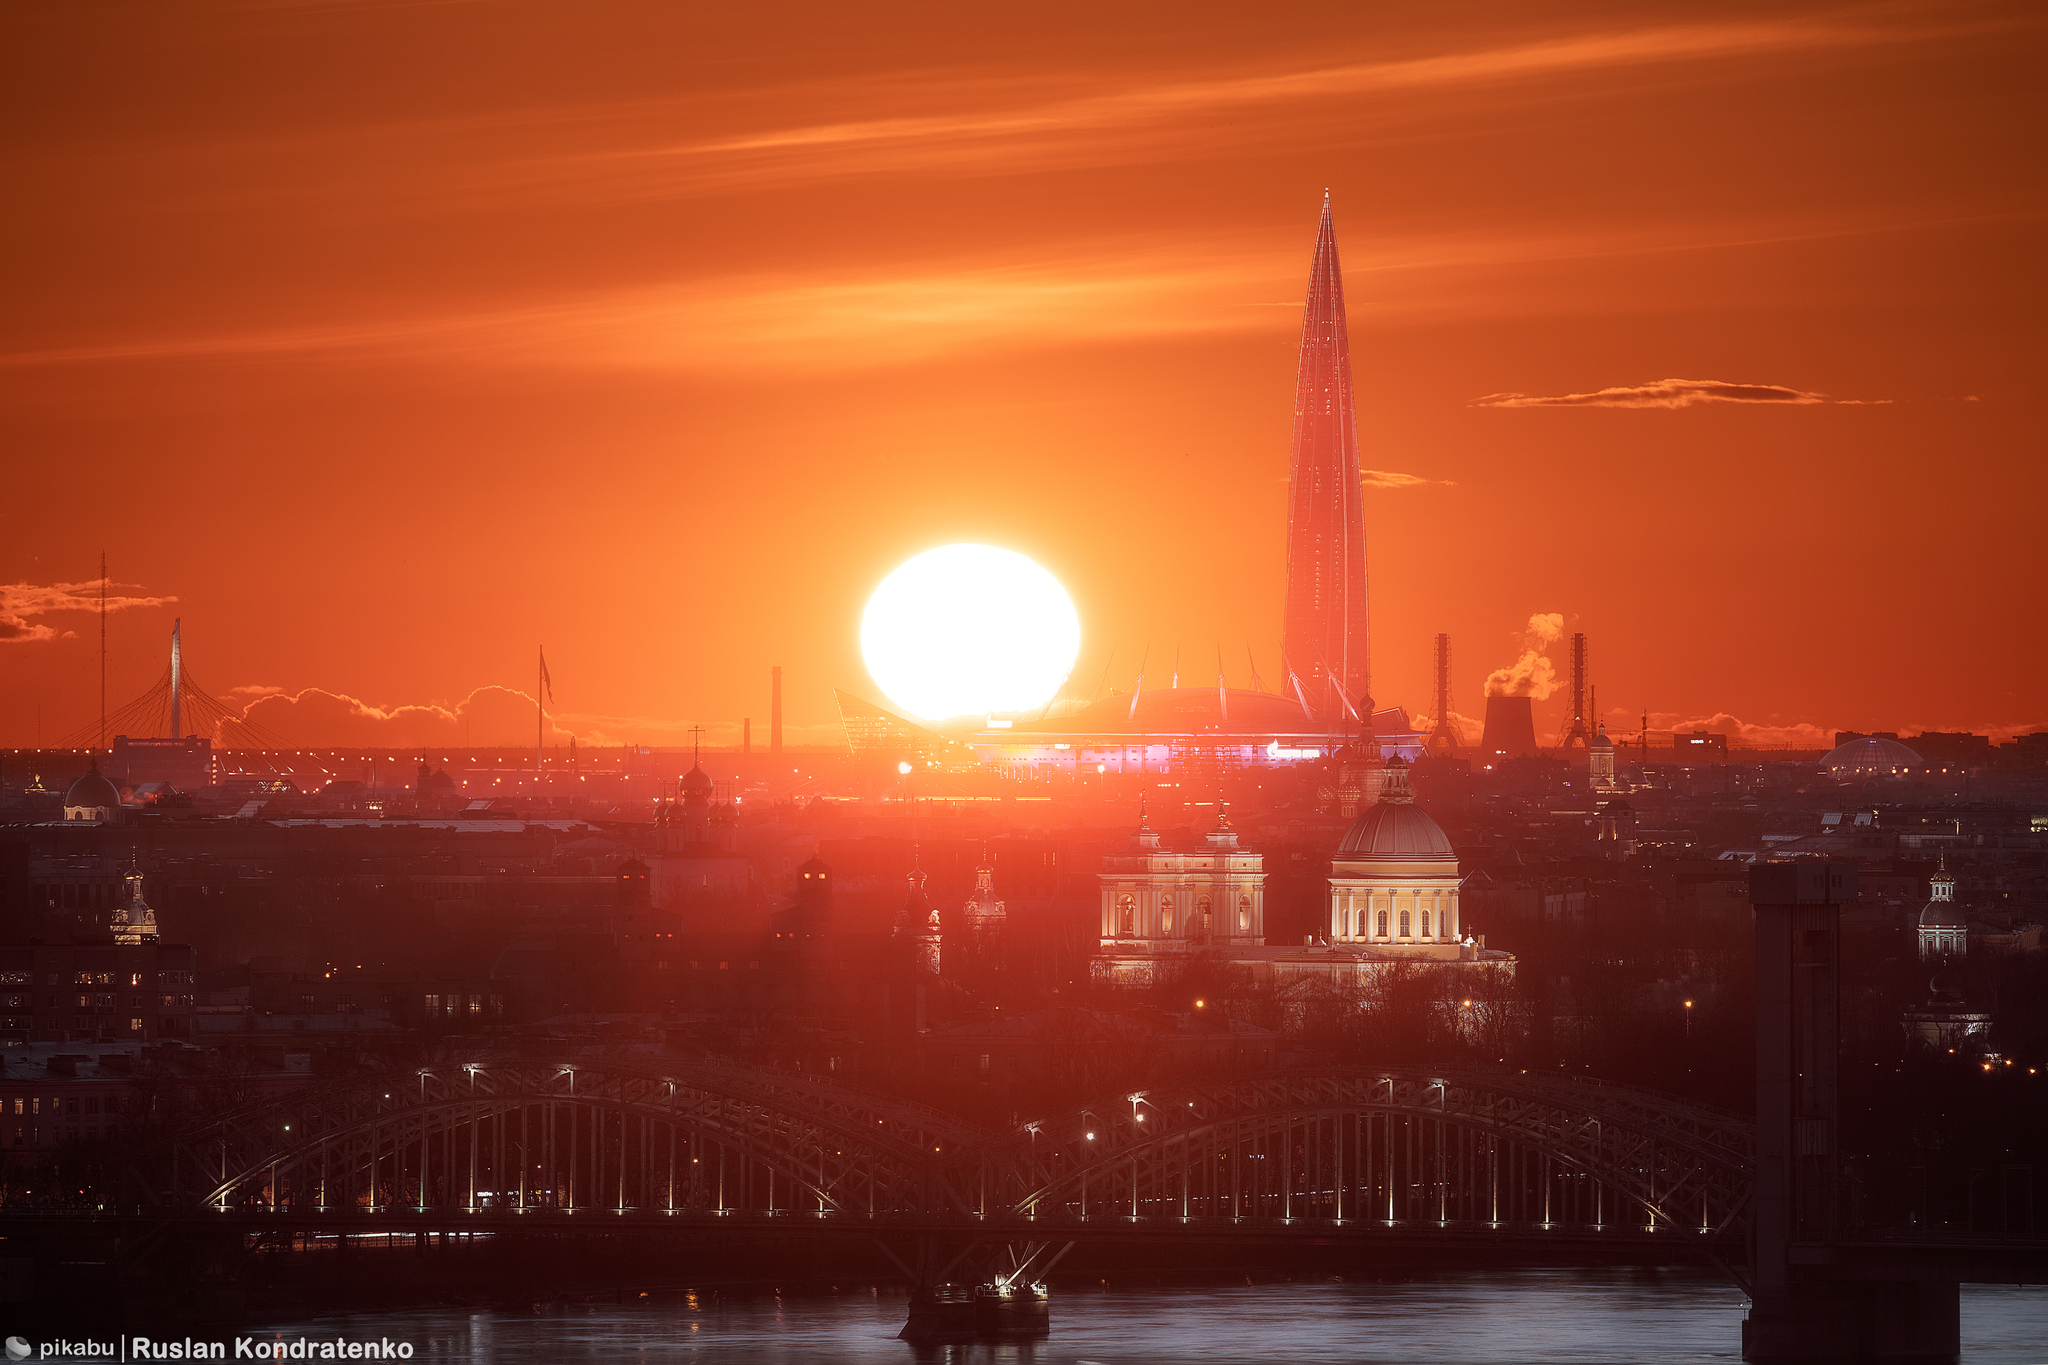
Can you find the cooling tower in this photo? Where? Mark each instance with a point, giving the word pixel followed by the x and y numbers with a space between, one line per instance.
pixel 1510 728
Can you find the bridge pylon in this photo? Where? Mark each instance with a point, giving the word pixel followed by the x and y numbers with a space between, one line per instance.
pixel 1804 1304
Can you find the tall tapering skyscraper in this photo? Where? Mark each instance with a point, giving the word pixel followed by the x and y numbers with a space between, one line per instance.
pixel 1323 642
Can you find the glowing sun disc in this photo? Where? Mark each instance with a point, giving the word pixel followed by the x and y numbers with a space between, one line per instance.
pixel 968 630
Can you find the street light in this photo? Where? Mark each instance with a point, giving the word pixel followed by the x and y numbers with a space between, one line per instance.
pixel 1688 1018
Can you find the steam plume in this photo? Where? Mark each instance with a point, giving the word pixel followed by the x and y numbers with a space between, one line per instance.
pixel 1531 675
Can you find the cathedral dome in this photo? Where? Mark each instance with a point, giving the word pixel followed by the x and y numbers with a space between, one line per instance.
pixel 1942 914
pixel 1870 757
pixel 696 782
pixel 93 789
pixel 1395 833
pixel 1394 829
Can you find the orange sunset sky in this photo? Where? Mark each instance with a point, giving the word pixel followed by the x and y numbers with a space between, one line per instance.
pixel 384 341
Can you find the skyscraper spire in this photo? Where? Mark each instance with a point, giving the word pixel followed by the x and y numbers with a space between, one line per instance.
pixel 1324 633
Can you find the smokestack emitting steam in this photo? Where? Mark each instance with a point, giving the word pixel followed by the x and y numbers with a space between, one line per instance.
pixel 775 710
pixel 1532 675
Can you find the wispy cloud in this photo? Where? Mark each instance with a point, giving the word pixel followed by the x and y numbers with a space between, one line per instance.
pixel 23 604
pixel 1671 393
pixel 880 316
pixel 1064 129
pixel 1387 478
pixel 890 313
pixel 492 715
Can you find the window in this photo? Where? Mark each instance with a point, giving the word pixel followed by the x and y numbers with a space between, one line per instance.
pixel 1383 924
pixel 1126 914
pixel 134 979
pixel 1202 914
pixel 433 1003
pixel 92 1104
pixel 1404 924
pixel 1244 914
pixel 476 1004
pixel 1166 914
pixel 135 1026
pixel 1425 924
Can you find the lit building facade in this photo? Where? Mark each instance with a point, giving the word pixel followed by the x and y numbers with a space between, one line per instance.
pixel 1169 730
pixel 1943 929
pixel 1161 906
pixel 92 797
pixel 1394 880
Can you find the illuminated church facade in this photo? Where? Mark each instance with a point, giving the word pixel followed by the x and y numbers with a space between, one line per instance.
pixel 1393 897
pixel 1161 905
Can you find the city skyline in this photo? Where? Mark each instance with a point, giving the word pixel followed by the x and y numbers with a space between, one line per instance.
pixel 1030 319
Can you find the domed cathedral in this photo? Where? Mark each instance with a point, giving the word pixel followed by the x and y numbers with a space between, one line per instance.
pixel 1944 931
pixel 686 822
pixel 135 921
pixel 1160 906
pixel 1394 880
pixel 696 848
pixel 1394 883
pixel 92 797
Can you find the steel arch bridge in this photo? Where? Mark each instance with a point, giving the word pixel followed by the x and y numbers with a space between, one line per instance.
pixel 573 1134
pixel 1399 1147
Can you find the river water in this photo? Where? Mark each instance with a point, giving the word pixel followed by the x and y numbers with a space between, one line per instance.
pixel 1480 1318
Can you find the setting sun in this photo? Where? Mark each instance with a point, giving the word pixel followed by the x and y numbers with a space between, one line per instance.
pixel 969 630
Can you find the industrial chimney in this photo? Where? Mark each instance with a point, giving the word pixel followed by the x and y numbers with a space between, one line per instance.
pixel 1510 728
pixel 775 710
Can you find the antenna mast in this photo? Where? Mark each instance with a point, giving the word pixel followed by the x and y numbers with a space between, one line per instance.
pixel 1443 739
pixel 103 650
pixel 177 680
pixel 1578 738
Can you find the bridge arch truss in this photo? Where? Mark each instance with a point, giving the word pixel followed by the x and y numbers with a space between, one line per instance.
pixel 1406 1147
pixel 574 1135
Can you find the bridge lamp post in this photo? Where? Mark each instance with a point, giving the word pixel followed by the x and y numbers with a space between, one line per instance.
pixel 1688 1018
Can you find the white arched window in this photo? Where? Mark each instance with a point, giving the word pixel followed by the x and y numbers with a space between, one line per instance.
pixel 1425 924
pixel 1404 924
pixel 1244 914
pixel 1166 914
pixel 1383 924
pixel 1126 913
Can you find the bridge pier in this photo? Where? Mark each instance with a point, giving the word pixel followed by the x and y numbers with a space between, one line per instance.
pixel 1900 1322
pixel 1802 1307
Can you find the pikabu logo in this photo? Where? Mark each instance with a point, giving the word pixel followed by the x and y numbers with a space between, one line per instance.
pixel 18 1349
